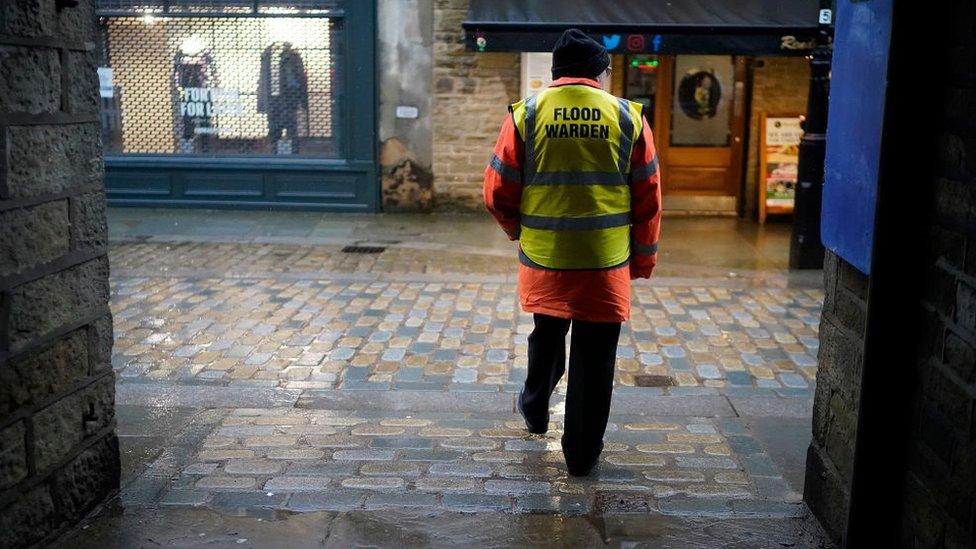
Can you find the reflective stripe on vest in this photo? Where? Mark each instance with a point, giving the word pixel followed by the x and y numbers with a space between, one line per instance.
pixel 575 210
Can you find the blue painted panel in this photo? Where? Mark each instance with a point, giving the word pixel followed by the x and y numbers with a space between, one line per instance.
pixel 229 185
pixel 138 183
pixel 857 100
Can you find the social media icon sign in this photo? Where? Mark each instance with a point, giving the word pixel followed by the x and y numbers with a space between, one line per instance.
pixel 611 42
pixel 635 42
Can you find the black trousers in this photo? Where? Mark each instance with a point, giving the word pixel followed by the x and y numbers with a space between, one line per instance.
pixel 592 355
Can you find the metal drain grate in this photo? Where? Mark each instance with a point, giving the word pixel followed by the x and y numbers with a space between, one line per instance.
pixel 363 249
pixel 653 380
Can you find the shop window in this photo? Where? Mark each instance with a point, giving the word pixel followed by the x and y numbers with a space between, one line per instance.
pixel 221 78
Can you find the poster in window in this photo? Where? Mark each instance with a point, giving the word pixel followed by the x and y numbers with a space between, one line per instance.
pixel 779 156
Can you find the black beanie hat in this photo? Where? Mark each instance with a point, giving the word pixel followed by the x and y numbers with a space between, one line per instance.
pixel 576 54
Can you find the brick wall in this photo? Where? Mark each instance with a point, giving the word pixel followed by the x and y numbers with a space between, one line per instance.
pixel 779 86
pixel 940 484
pixel 471 93
pixel 58 452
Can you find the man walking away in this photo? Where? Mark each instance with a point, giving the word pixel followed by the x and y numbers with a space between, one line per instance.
pixel 574 179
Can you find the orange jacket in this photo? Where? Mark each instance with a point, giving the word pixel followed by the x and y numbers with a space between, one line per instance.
pixel 594 295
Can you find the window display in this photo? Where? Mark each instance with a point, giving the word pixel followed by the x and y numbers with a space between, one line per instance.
pixel 221 86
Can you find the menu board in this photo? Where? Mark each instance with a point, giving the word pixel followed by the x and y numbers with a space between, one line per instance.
pixel 536 72
pixel 779 151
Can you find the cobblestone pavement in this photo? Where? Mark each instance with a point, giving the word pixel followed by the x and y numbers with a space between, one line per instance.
pixel 317 380
pixel 255 326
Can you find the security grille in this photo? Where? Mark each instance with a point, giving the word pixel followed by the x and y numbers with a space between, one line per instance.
pixel 219 85
pixel 190 7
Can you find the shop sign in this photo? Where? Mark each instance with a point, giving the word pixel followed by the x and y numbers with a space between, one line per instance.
pixel 105 88
pixel 205 103
pixel 536 72
pixel 779 161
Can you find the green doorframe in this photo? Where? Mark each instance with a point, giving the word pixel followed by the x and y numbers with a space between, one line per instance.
pixel 349 183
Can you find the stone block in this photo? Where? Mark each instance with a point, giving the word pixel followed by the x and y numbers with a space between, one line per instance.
pixel 296 484
pixel 517 487
pixel 57 430
pixel 374 483
pixel 826 494
pixel 33 236
pixel 446 484
pixel 89 226
pixel 383 500
pixel 88 479
pixel 13 455
pixel 225 483
pixel 32 80
pixel 98 403
pixel 43 305
pixel 471 503
pixel 966 307
pixel 960 355
pixel 460 470
pixel 325 501
pixel 60 427
pixel 28 18
pixel 100 349
pixel 28 519
pixel 45 373
pixel 52 159
pixel 82 88
pixel 77 23
pixel 939 289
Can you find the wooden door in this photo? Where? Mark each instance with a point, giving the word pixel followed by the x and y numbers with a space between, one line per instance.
pixel 699 125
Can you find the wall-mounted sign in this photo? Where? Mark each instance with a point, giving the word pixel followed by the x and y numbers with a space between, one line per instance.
pixel 536 72
pixel 105 89
pixel 859 82
pixel 779 153
pixel 407 111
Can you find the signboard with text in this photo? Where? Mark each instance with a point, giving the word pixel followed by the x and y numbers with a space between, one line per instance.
pixel 779 155
pixel 536 72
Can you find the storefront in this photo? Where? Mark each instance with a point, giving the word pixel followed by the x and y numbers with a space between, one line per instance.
pixel 239 103
pixel 692 64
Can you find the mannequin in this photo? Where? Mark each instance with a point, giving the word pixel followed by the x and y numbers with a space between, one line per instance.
pixel 282 93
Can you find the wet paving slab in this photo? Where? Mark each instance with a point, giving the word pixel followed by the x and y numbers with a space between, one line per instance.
pixel 124 527
pixel 311 460
pixel 278 380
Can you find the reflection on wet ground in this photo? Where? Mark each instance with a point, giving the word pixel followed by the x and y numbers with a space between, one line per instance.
pixel 276 391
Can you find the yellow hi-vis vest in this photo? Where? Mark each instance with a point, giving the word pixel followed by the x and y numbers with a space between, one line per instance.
pixel 575 210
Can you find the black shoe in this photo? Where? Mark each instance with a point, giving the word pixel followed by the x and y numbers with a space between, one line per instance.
pixel 582 470
pixel 535 426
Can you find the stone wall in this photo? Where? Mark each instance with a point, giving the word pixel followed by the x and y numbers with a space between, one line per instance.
pixel 779 86
pixel 940 483
pixel 938 479
pixel 830 457
pixel 58 451
pixel 471 94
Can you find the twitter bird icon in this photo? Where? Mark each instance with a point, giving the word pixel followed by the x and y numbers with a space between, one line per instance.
pixel 611 42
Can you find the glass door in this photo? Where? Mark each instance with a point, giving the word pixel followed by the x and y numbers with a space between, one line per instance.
pixel 699 126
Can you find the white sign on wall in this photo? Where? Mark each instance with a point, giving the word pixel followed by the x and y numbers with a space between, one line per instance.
pixel 105 88
pixel 536 72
